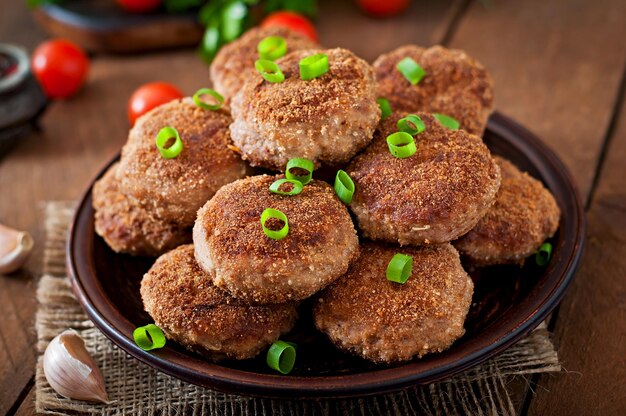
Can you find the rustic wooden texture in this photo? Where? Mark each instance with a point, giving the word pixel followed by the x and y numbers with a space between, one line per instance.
pixel 27 406
pixel 557 67
pixel 342 24
pixel 591 329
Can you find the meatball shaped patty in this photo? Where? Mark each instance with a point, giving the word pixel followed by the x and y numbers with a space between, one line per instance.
pixel 234 60
pixel 454 84
pixel 183 301
pixel 326 119
pixel 130 228
pixel 232 247
pixel 523 216
pixel 434 196
pixel 386 322
pixel 176 188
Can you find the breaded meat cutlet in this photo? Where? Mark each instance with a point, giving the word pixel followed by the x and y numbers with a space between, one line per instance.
pixel 233 249
pixel 326 119
pixel 129 228
pixel 524 215
pixel 387 322
pixel 176 188
pixel 190 310
pixel 434 196
pixel 455 85
pixel 234 60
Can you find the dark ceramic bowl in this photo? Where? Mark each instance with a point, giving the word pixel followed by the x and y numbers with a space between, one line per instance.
pixel 508 303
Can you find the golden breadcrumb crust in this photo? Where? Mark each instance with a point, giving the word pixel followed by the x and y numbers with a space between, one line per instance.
pixel 383 321
pixel 524 215
pixel 455 84
pixel 183 301
pixel 232 247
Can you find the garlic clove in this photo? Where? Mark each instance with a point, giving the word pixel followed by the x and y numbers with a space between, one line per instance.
pixel 15 246
pixel 71 371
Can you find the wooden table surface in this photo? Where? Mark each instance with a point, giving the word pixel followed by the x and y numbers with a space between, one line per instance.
pixel 559 69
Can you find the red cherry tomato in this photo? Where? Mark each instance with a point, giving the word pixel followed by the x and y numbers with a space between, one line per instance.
pixel 293 21
pixel 139 6
pixel 148 96
pixel 383 8
pixel 61 67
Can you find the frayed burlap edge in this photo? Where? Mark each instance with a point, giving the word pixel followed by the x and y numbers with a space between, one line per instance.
pixel 137 389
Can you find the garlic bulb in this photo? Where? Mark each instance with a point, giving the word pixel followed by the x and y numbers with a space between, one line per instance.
pixel 71 371
pixel 15 246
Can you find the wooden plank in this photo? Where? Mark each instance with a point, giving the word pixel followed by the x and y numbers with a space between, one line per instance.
pixel 591 329
pixel 27 407
pixel 342 24
pixel 557 67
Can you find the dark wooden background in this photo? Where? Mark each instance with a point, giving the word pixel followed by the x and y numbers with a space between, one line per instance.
pixel 559 69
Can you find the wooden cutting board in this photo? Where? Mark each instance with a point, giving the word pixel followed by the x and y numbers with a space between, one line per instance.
pixel 102 26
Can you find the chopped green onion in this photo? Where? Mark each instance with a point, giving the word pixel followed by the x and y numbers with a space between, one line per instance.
pixel 269 71
pixel 411 124
pixel 149 337
pixel 281 356
pixel 165 135
pixel 411 70
pixel 300 163
pixel 313 66
pixel 344 186
pixel 447 121
pixel 401 144
pixel 385 107
pixel 274 213
pixel 400 268
pixel 272 48
pixel 208 91
pixel 295 190
pixel 542 257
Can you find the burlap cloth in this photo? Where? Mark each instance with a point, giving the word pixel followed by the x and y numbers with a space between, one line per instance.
pixel 137 389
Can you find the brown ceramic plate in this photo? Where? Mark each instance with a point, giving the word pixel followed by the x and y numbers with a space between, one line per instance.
pixel 508 302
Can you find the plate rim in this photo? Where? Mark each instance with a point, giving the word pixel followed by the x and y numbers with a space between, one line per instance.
pixel 339 386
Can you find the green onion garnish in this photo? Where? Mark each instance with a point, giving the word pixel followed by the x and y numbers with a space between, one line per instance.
pixel 399 268
pixel 164 136
pixel 274 213
pixel 281 356
pixel 295 190
pixel 272 48
pixel 385 107
pixel 313 66
pixel 411 124
pixel 447 121
pixel 149 337
pixel 269 70
pixel 542 257
pixel 411 70
pixel 208 91
pixel 300 163
pixel 344 186
pixel 401 144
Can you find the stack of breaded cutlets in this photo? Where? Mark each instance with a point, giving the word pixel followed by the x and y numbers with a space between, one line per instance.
pixel 378 249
